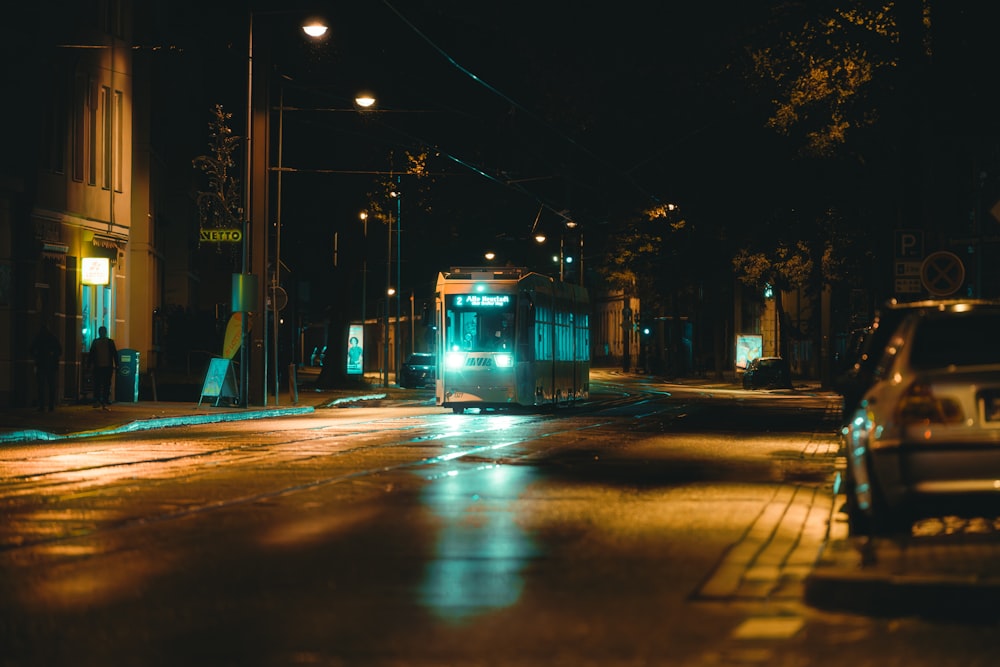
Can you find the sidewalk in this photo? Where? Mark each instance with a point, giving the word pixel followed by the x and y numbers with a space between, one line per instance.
pixel 943 574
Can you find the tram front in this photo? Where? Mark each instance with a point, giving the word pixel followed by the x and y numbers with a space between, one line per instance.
pixel 477 331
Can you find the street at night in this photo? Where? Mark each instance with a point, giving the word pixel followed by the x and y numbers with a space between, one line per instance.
pixel 470 334
pixel 657 524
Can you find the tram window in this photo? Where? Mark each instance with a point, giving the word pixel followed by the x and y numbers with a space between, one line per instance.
pixel 526 330
pixel 480 329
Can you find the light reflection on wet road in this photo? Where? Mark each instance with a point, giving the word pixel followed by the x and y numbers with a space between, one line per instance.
pixel 414 537
pixel 480 549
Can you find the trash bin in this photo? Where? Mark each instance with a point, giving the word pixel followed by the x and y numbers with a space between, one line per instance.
pixel 127 380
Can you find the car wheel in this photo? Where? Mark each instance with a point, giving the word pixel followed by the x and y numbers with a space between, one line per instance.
pixel 858 522
pixel 886 521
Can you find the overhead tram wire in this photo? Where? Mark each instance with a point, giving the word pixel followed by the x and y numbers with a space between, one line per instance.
pixel 624 174
pixel 410 141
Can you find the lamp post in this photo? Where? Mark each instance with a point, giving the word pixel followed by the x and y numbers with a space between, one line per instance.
pixel 276 282
pixel 385 311
pixel 389 291
pixel 398 196
pixel 572 224
pixel 255 210
pixel 562 258
pixel 364 265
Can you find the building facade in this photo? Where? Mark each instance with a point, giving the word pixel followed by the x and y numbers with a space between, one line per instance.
pixel 75 205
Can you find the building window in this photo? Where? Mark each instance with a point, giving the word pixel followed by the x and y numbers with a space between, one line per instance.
pixel 54 138
pixel 117 140
pixel 107 154
pixel 79 127
pixel 92 121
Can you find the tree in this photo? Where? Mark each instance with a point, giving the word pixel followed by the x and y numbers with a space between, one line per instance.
pixel 220 206
pixel 832 73
pixel 381 200
pixel 824 72
pixel 783 269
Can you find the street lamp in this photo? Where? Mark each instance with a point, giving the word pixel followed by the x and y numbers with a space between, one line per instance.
pixel 389 292
pixel 364 266
pixel 398 196
pixel 562 259
pixel 255 209
pixel 314 28
pixel 364 100
pixel 572 224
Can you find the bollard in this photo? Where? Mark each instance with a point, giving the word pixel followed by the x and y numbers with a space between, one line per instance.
pixel 293 384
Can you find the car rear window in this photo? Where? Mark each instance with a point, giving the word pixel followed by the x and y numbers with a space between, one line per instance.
pixel 961 339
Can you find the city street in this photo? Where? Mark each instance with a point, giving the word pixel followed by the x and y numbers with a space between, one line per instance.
pixel 657 525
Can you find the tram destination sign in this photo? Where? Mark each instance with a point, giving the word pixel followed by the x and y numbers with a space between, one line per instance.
pixel 220 235
pixel 482 300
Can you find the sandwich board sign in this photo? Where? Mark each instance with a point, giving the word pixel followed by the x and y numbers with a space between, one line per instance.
pixel 220 381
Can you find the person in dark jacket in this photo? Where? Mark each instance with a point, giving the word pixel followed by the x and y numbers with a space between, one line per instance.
pixel 46 350
pixel 103 359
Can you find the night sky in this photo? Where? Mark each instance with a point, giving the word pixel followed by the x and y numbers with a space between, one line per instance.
pixel 532 109
pixel 527 110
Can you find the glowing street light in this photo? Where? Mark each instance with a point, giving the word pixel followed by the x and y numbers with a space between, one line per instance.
pixel 314 28
pixel 365 100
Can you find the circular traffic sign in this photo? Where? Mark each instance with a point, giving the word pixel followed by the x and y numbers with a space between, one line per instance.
pixel 942 273
pixel 278 299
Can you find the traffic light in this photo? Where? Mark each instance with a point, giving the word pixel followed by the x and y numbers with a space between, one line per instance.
pixel 645 327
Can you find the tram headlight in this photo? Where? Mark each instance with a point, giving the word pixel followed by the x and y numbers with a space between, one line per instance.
pixel 504 360
pixel 454 359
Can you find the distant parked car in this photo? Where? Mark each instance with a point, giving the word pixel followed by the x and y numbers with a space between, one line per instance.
pixel 924 439
pixel 767 373
pixel 419 370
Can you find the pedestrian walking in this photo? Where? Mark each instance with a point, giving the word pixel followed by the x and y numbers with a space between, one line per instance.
pixel 46 350
pixel 103 360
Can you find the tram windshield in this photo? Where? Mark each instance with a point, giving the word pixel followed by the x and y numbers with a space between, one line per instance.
pixel 480 322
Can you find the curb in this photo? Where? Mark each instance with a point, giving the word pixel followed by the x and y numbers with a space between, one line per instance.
pixel 889 595
pixel 33 435
pixel 886 578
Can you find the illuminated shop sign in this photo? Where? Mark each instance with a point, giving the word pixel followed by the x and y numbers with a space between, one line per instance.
pixel 95 271
pixel 482 300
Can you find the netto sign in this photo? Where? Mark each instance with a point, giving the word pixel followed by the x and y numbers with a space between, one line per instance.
pixel 220 235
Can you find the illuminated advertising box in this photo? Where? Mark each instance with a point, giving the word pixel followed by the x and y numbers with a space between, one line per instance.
pixel 748 346
pixel 95 271
pixel 355 349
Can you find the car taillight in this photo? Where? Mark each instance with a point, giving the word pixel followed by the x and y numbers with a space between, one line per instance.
pixel 919 405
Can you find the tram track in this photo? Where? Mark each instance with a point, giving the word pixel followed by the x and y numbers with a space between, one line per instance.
pixel 371 429
pixel 73 492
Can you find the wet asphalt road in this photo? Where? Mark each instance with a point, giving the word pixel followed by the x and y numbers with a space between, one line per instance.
pixel 672 527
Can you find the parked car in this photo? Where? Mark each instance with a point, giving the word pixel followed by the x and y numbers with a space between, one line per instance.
pixel 767 373
pixel 855 381
pixel 924 439
pixel 419 370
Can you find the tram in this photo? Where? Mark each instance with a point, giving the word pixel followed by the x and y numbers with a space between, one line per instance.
pixel 510 338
